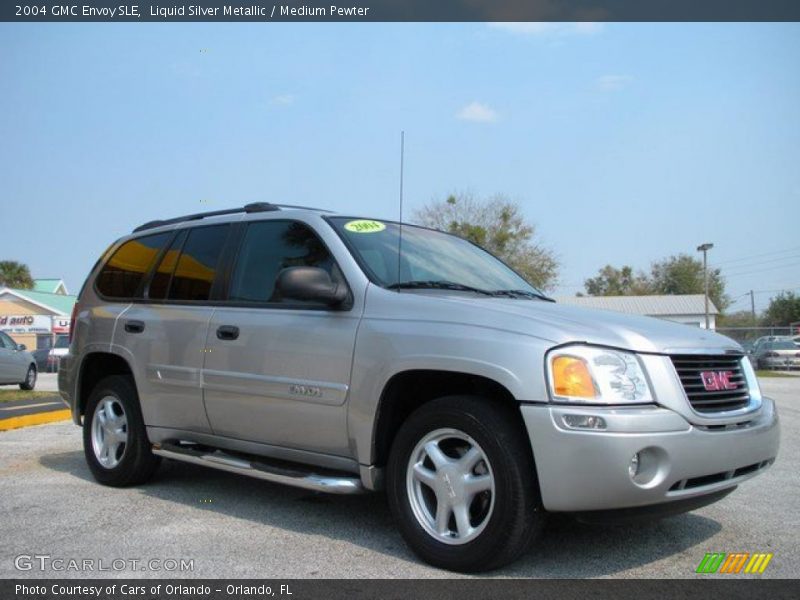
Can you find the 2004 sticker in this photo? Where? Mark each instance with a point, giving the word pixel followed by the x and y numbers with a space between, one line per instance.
pixel 364 226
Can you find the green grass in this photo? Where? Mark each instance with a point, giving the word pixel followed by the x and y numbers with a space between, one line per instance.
pixel 9 395
pixel 766 373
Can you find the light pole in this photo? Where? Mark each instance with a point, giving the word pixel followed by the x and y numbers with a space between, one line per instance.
pixel 704 248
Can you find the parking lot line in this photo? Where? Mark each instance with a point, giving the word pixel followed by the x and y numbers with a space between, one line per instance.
pixel 27 406
pixel 35 419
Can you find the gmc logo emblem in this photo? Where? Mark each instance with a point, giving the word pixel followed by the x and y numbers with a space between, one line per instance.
pixel 716 381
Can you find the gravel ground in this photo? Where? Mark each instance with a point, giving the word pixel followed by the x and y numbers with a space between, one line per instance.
pixel 234 526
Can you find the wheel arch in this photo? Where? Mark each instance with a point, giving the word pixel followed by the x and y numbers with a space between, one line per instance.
pixel 406 391
pixel 95 366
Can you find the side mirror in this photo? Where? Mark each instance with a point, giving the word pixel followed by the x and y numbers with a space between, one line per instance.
pixel 310 283
pixel 21 347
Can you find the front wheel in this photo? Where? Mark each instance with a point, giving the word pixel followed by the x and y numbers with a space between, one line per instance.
pixel 462 486
pixel 114 437
pixel 30 379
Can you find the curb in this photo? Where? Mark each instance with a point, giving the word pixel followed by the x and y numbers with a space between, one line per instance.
pixel 35 419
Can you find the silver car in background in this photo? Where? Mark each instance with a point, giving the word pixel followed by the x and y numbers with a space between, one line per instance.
pixel 777 354
pixel 17 365
pixel 344 355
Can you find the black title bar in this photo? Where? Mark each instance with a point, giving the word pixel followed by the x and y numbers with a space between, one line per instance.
pixel 401 10
pixel 733 588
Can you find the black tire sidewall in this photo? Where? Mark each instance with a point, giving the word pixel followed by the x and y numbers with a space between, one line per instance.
pixel 24 385
pixel 516 500
pixel 138 461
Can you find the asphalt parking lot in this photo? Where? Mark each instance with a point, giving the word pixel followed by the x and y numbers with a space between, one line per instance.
pixel 232 526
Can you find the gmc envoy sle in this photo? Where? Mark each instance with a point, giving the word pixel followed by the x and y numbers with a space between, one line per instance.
pixel 345 355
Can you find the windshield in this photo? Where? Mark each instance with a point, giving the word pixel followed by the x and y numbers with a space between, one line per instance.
pixel 62 341
pixel 428 257
pixel 787 345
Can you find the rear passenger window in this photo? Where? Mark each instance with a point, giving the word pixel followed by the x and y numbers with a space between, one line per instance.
pixel 197 266
pixel 122 275
pixel 267 248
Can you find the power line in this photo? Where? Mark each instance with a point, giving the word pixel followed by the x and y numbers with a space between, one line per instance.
pixel 747 258
pixel 763 262
pixel 762 270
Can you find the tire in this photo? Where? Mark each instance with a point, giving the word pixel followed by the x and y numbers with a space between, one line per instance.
pixel 501 521
pixel 30 379
pixel 118 453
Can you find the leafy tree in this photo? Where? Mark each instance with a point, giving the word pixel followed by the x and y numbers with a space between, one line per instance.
pixel 740 318
pixel 783 310
pixel 683 274
pixel 618 282
pixel 496 224
pixel 680 274
pixel 15 275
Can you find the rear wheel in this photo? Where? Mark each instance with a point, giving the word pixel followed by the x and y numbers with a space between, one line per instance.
pixel 30 379
pixel 114 437
pixel 462 484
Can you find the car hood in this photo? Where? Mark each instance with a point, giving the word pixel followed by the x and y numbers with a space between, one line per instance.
pixel 562 323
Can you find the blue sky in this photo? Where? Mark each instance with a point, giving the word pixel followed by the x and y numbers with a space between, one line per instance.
pixel 624 143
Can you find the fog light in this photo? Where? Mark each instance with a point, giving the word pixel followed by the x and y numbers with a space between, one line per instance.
pixel 633 468
pixel 584 422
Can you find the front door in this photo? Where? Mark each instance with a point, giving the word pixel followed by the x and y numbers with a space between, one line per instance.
pixel 277 371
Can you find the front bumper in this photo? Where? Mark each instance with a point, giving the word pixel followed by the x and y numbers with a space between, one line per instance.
pixel 779 363
pixel 587 470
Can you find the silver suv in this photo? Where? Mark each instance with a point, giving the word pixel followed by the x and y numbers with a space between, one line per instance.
pixel 342 355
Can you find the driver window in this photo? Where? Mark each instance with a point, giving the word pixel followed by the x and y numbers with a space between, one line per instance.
pixel 269 247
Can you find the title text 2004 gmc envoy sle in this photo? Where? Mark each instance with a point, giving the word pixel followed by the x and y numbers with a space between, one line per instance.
pixel 344 355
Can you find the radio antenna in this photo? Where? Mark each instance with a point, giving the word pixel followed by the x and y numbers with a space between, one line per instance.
pixel 400 233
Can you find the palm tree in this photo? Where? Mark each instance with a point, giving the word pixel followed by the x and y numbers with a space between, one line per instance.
pixel 15 274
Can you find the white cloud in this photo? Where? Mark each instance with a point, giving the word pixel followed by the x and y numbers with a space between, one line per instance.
pixel 283 100
pixel 478 112
pixel 550 29
pixel 612 83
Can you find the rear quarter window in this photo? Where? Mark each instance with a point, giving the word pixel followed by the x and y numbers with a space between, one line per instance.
pixel 122 276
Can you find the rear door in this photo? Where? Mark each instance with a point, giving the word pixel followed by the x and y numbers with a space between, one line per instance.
pixel 165 330
pixel 277 371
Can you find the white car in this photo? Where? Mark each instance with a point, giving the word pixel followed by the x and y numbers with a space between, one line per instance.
pixel 56 353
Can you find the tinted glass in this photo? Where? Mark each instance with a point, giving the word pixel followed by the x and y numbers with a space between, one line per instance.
pixel 427 255
pixel 159 284
pixel 198 262
pixel 62 341
pixel 123 273
pixel 267 248
pixel 6 342
pixel 787 345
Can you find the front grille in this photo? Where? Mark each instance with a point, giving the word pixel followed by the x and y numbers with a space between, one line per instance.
pixel 689 368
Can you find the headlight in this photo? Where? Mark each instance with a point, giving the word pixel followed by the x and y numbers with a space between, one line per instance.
pixel 590 375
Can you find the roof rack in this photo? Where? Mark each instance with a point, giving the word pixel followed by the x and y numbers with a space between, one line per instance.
pixel 247 208
pixel 253 207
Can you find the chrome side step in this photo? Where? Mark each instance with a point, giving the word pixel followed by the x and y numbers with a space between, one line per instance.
pixel 297 477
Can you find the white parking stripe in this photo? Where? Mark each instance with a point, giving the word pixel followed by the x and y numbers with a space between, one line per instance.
pixel 30 406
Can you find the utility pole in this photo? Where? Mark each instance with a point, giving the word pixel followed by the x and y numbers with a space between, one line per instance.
pixel 704 248
pixel 753 306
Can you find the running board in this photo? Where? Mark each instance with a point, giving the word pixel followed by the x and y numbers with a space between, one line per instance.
pixel 294 476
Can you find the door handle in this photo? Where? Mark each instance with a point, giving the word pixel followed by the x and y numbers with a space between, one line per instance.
pixel 134 326
pixel 227 332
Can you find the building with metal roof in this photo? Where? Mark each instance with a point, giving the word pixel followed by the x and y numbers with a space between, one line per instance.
pixel 35 317
pixel 688 309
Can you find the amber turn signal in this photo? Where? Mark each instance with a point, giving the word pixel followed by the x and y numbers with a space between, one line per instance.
pixel 571 378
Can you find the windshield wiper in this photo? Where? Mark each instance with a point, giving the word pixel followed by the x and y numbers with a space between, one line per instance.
pixel 521 294
pixel 437 285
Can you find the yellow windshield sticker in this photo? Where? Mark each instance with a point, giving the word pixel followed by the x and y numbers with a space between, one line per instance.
pixel 364 226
